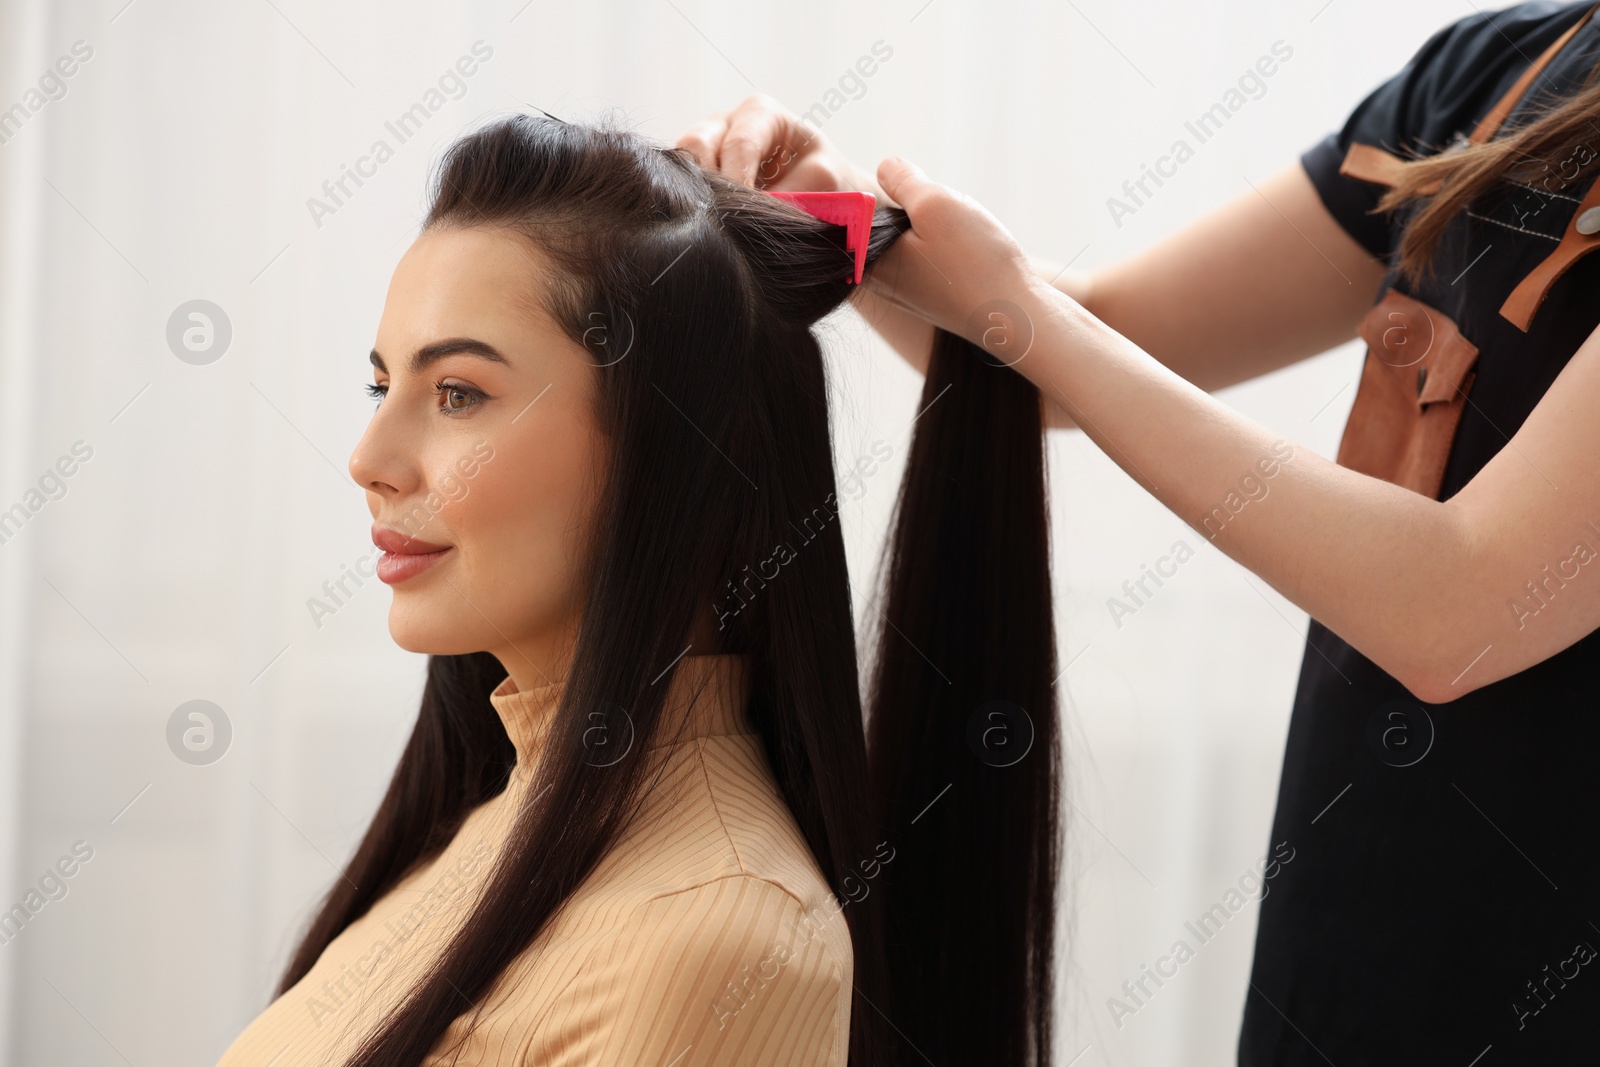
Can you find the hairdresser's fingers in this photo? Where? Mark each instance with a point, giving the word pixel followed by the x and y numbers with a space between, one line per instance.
pixel 704 137
pixel 908 186
pixel 944 215
pixel 753 145
pixel 762 144
pixel 811 173
pixel 955 256
pixel 905 277
pixel 764 141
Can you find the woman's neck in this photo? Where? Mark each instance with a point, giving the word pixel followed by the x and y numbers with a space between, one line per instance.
pixel 535 660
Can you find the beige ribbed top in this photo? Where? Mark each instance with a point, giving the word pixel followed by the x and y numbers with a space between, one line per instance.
pixel 707 935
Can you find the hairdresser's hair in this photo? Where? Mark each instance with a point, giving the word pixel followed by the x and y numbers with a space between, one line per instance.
pixel 696 297
pixel 1550 152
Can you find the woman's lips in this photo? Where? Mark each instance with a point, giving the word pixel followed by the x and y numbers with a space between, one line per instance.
pixel 394 567
pixel 404 556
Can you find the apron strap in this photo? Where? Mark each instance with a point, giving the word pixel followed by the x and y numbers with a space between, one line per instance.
pixel 1530 292
pixel 1525 299
pixel 1491 123
pixel 1369 163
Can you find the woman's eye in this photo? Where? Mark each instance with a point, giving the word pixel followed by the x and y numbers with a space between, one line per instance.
pixel 457 398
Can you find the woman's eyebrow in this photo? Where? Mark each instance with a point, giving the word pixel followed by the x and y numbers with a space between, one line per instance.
pixel 427 355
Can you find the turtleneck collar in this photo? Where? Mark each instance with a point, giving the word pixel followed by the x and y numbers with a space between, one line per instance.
pixel 707 696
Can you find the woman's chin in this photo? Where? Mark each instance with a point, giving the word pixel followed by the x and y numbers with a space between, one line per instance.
pixel 425 632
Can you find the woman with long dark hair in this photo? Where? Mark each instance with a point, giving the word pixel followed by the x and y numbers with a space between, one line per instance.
pixel 639 820
pixel 1438 789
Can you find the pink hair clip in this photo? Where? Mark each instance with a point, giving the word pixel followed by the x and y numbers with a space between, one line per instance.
pixel 848 208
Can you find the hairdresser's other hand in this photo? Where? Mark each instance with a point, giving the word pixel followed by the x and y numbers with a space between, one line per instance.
pixel 764 145
pixel 957 266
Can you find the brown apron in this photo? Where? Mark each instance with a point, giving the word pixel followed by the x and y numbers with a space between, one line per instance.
pixel 1419 368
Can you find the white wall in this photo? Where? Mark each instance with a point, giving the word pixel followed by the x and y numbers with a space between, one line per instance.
pixel 177 565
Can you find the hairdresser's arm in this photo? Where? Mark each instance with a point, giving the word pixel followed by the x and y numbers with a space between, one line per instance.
pixel 1265 280
pixel 1261 282
pixel 1429 590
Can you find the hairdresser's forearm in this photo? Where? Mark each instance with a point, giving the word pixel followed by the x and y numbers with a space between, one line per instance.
pixel 1258 282
pixel 1378 564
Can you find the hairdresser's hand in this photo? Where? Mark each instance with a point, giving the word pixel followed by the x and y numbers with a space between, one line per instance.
pixel 764 145
pixel 957 266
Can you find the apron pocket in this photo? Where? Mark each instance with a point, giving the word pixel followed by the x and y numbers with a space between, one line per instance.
pixel 1414 385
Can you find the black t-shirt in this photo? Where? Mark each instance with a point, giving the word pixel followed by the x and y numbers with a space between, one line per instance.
pixel 1443 899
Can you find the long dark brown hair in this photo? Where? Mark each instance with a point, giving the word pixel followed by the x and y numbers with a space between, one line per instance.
pixel 697 297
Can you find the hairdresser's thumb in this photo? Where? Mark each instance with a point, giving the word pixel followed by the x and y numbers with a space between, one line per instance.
pixel 902 180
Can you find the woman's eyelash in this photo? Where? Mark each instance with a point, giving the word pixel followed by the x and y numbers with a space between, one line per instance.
pixel 378 391
pixel 441 388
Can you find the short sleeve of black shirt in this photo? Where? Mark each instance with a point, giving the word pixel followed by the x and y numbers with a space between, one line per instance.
pixel 1451 83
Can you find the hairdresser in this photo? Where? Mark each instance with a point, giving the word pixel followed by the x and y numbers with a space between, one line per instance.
pixel 1439 783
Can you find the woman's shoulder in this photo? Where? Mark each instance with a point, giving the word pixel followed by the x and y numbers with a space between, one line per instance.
pixel 730 971
pixel 708 927
pixel 713 827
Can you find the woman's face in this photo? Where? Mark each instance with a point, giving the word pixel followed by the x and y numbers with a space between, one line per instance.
pixel 482 462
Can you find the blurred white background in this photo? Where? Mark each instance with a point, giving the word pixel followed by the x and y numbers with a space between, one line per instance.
pixel 176 562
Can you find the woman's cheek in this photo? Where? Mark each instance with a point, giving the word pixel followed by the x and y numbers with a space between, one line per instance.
pixel 452 486
pixel 514 528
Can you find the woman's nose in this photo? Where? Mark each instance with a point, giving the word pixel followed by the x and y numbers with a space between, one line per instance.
pixel 379 463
